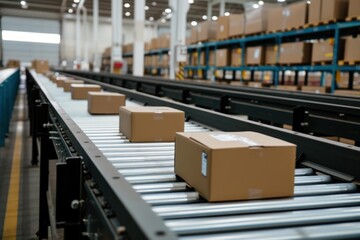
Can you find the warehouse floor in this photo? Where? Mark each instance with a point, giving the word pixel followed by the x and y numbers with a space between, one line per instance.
pixel 19 181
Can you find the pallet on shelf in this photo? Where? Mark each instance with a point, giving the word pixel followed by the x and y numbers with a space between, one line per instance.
pixel 350 19
pixel 348 62
pixel 321 63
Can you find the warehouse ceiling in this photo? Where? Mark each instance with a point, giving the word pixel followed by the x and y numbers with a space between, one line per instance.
pixel 154 12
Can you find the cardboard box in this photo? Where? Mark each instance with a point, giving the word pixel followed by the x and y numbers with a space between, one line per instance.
pixel 236 57
pixel 236 25
pixel 334 9
pixel 222 28
pixel 295 14
pixel 222 57
pixel 347 93
pixel 164 41
pixel 315 11
pixel 255 20
pixel 154 43
pixel 41 66
pixel 313 89
pixel 324 51
pixel 67 84
pixel 151 124
pixel 60 81
pixel 194 35
pixel 206 31
pixel 211 58
pixel 254 84
pixel 275 19
pixel 352 49
pixel 226 166
pixel 255 55
pixel 285 87
pixel 295 53
pixel 354 8
pixel 105 102
pixel 11 63
pixel 271 55
pixel 80 91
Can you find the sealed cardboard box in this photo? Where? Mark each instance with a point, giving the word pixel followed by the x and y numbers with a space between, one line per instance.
pixel 105 102
pixel 67 84
pixel 254 55
pixel 80 91
pixel 194 35
pixel 206 31
pixel 271 54
pixel 222 57
pixel 295 53
pixel 11 63
pixel 222 27
pixel 41 66
pixel 255 20
pixel 324 51
pixel 236 25
pixel 60 81
pixel 211 58
pixel 315 11
pixel 334 9
pixel 164 41
pixel 226 166
pixel 352 49
pixel 286 87
pixel 275 19
pixel 154 43
pixel 354 8
pixel 151 124
pixel 236 57
pixel 313 89
pixel 254 84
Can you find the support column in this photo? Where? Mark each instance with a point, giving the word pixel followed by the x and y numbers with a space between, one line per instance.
pixel 85 42
pixel 78 39
pixel 139 24
pixel 96 54
pixel 116 46
pixel 209 10
pixel 222 7
pixel 178 32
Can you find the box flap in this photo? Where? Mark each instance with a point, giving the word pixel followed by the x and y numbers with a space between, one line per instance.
pixel 105 94
pixel 223 140
pixel 151 109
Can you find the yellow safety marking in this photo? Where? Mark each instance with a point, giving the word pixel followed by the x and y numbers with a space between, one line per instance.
pixel 12 205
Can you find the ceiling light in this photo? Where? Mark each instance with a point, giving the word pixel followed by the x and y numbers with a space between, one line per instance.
pixel 151 19
pixel 204 17
pixel 70 10
pixel 255 5
pixel 281 0
pixel 261 3
pixel 163 13
pixel 214 18
pixel 168 10
pixel 23 3
pixel 163 20
pixel 308 2
pixel 76 1
pixel 146 8
pixel 193 23
pixel 153 3
pixel 127 5
pixel 227 14
pixel 191 1
pixel 127 14
pixel 74 5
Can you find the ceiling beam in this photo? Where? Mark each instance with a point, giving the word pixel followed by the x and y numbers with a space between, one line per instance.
pixel 29 13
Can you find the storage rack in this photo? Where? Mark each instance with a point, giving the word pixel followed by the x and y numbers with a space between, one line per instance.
pixel 307 113
pixel 125 199
pixel 335 31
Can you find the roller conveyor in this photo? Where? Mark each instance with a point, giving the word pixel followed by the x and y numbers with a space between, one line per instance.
pixel 320 209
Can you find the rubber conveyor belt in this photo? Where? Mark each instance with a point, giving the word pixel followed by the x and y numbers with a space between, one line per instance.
pixel 320 209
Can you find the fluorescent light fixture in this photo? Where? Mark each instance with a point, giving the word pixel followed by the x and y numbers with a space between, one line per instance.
pixel 168 10
pixel 30 37
pixel 74 5
pixel 308 2
pixel 163 20
pixel 70 10
pixel 146 8
pixel 261 3
pixel 227 14
pixel 204 17
pixel 214 18
pixel 127 14
pixel 255 5
pixel 76 1
pixel 281 0
pixel 193 23
pixel 23 3
pixel 151 19
pixel 127 5
pixel 191 1
pixel 153 3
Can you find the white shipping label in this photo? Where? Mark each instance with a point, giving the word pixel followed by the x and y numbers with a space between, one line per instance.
pixel 232 138
pixel 204 164
pixel 257 53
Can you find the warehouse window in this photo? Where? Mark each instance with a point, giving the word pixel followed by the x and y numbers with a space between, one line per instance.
pixel 31 37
